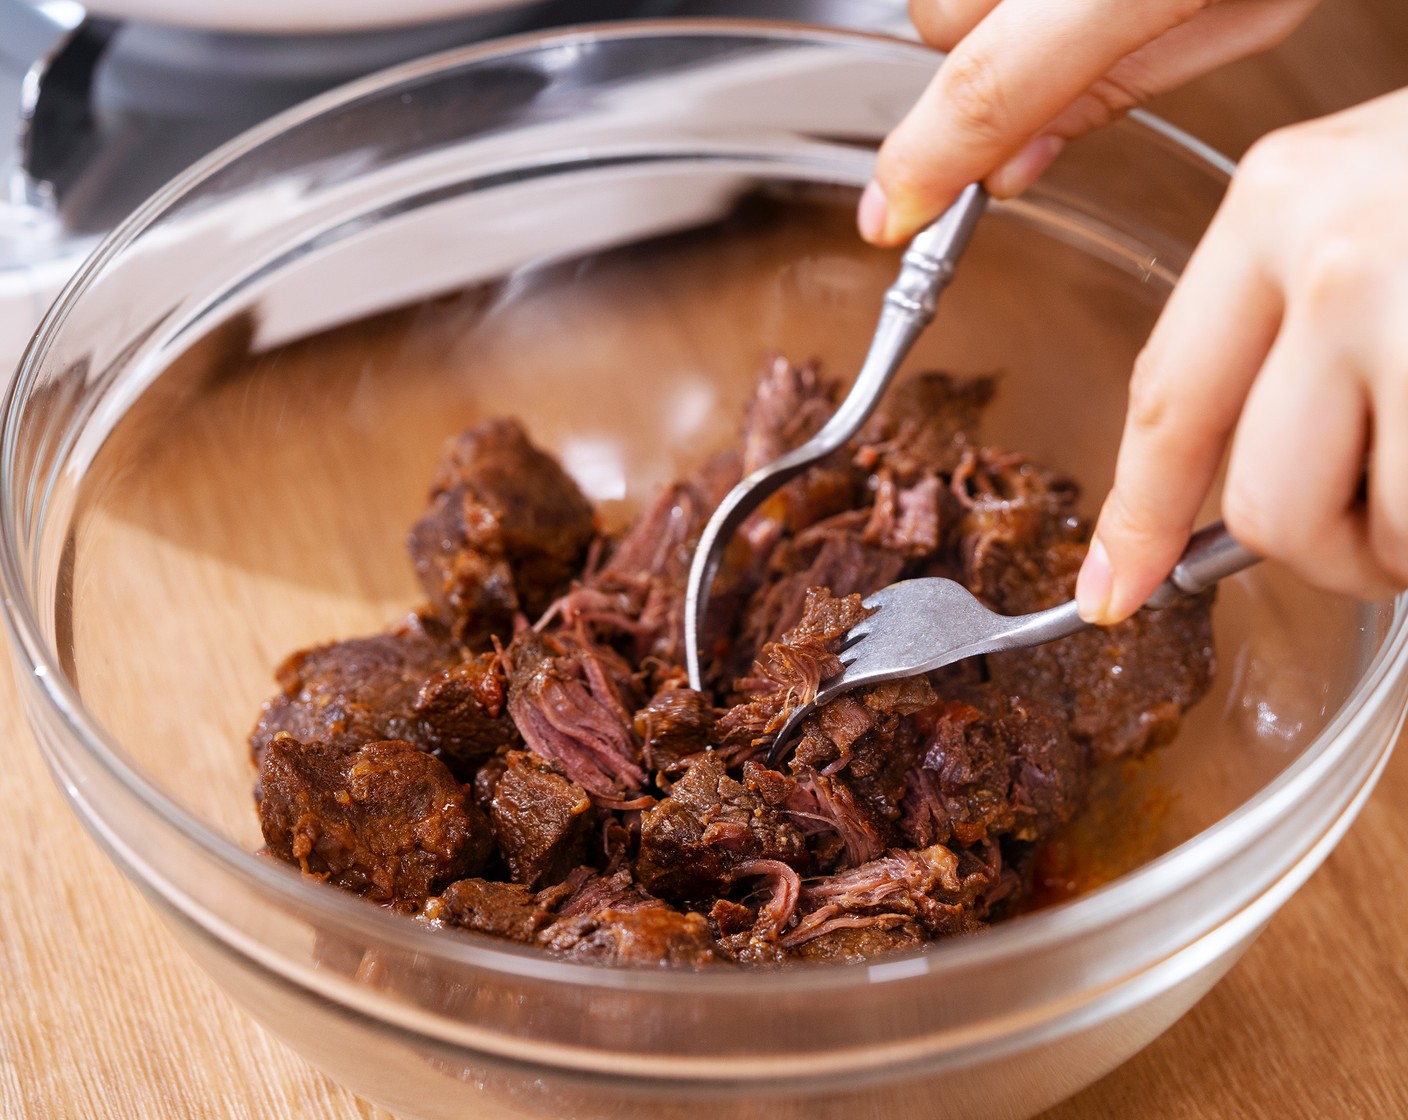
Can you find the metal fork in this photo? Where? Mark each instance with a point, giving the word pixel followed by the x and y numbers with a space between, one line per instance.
pixel 920 625
pixel 910 303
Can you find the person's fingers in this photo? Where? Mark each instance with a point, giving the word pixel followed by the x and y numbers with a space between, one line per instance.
pixel 943 23
pixel 1189 385
pixel 1383 353
pixel 1297 461
pixel 1021 66
pixel 1217 36
pixel 1388 482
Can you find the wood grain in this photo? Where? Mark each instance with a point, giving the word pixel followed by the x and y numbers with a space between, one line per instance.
pixel 101 1015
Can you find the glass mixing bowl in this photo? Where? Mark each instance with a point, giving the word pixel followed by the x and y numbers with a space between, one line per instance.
pixel 221 431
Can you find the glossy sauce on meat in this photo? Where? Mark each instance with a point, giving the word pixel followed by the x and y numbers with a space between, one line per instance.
pixel 523 758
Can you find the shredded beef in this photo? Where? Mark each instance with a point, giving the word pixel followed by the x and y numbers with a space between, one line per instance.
pixel 694 840
pixel 565 695
pixel 523 758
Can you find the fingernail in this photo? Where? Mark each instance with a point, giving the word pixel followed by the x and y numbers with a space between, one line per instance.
pixel 873 213
pixel 1025 168
pixel 1094 584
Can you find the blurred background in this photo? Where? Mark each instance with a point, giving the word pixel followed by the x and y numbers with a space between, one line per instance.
pixel 100 106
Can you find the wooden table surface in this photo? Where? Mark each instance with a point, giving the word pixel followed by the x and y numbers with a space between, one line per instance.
pixel 102 1015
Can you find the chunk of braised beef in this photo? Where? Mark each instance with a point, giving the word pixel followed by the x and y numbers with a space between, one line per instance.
pixel 1018 530
pixel 998 766
pixel 385 819
pixel 924 425
pixel 867 938
pixel 592 890
pixel 729 918
pixel 541 820
pixel 675 724
pixel 840 827
pixel 652 936
pixel 506 530
pixel 462 713
pixel 359 690
pixel 789 406
pixel 570 699
pixel 910 521
pixel 693 841
pixel 508 910
pixel 481 789
pixel 1126 687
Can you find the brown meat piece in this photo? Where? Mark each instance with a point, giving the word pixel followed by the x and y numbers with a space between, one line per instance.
pixel 675 724
pixel 840 828
pixel 789 406
pixel 910 520
pixel 505 531
pixel 999 766
pixel 570 700
pixel 648 936
pixel 508 910
pixel 385 819
pixel 638 594
pixel 789 671
pixel 694 840
pixel 541 821
pixel 924 425
pixel 408 683
pixel 863 942
pixel 355 691
pixel 940 889
pixel 461 713
pixel 831 555
pixel 1126 687
pixel 1018 530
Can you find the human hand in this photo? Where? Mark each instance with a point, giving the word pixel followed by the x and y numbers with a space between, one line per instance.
pixel 1024 76
pixel 1288 329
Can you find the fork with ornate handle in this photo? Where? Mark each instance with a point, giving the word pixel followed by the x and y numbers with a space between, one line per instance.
pixel 920 625
pixel 909 307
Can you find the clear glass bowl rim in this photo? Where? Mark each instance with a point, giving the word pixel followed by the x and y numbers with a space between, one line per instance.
pixel 1105 905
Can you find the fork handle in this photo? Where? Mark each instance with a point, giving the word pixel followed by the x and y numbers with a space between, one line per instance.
pixel 1211 555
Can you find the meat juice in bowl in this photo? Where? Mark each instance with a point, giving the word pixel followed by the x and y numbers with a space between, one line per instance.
pixel 603 233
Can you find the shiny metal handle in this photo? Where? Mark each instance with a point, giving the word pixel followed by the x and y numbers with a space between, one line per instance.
pixel 928 263
pixel 1211 555
pixel 908 307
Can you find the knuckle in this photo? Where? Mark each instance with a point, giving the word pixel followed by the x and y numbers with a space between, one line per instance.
pixel 1338 273
pixel 1116 95
pixel 933 22
pixel 1133 520
pixel 1245 513
pixel 1274 165
pixel 972 87
pixel 1148 400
